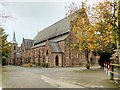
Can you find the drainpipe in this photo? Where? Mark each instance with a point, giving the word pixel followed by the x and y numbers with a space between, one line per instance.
pixel 39 57
pixel 62 59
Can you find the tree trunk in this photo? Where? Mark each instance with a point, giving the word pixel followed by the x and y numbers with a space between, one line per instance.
pixel 118 50
pixel 87 59
pixel 118 32
pixel 79 58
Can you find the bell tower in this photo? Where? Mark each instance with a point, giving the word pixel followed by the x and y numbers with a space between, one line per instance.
pixel 14 50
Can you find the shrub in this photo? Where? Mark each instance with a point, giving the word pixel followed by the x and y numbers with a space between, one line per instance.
pixel 30 64
pixel 45 65
pixel 27 65
pixel 3 60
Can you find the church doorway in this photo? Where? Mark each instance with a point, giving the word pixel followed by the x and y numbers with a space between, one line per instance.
pixel 56 60
pixel 14 61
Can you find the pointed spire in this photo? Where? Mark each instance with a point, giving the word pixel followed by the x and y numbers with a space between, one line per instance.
pixel 83 4
pixel 14 38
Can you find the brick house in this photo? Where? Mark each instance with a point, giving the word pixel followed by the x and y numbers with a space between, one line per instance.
pixel 51 45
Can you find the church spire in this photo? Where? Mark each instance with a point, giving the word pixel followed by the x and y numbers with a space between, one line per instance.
pixel 14 38
pixel 84 3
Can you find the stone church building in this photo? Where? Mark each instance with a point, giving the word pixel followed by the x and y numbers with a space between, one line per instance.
pixel 52 46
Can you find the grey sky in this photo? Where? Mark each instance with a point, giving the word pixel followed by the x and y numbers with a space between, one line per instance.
pixel 31 17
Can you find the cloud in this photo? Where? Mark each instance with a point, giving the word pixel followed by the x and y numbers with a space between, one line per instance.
pixel 43 0
pixel 32 17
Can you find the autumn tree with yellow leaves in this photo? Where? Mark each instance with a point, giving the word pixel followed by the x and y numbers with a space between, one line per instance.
pixel 92 30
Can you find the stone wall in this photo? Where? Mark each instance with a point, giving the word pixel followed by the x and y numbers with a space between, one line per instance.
pixel 73 57
pixel 38 57
pixel 18 61
pixel 26 56
pixel 0 50
pixel 68 56
pixel 52 60
pixel 13 53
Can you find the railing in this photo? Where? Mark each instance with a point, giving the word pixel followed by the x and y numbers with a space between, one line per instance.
pixel 112 71
pixel 115 71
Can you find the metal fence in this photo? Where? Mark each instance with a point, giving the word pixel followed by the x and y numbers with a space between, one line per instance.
pixel 112 71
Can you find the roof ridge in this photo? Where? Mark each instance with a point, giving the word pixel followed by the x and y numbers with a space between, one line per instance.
pixel 51 25
pixel 60 27
pixel 28 39
pixel 60 20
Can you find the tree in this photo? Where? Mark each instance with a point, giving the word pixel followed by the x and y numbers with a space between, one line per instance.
pixel 5 45
pixel 106 17
pixel 1 46
pixel 83 34
pixel 93 33
pixel 115 21
pixel 118 30
pixel 4 16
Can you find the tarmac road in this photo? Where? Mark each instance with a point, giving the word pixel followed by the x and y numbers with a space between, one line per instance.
pixel 21 77
pixel 72 77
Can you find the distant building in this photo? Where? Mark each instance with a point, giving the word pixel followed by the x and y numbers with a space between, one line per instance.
pixel 16 58
pixel 26 50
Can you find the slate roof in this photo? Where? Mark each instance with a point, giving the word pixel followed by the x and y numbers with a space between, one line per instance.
pixel 28 43
pixel 59 28
pixel 19 49
pixel 59 38
pixel 18 55
pixel 56 39
pixel 56 32
pixel 54 47
pixel 39 45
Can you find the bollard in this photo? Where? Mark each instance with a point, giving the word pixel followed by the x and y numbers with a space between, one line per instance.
pixel 104 66
pixel 108 69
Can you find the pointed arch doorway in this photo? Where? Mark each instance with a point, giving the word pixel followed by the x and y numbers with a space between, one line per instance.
pixel 56 60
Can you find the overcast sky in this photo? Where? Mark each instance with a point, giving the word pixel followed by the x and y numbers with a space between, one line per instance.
pixel 31 16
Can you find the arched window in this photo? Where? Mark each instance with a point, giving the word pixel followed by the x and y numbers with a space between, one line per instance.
pixel 14 48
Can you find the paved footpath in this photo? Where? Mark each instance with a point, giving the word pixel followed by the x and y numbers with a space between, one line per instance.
pixel 0 77
pixel 36 77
